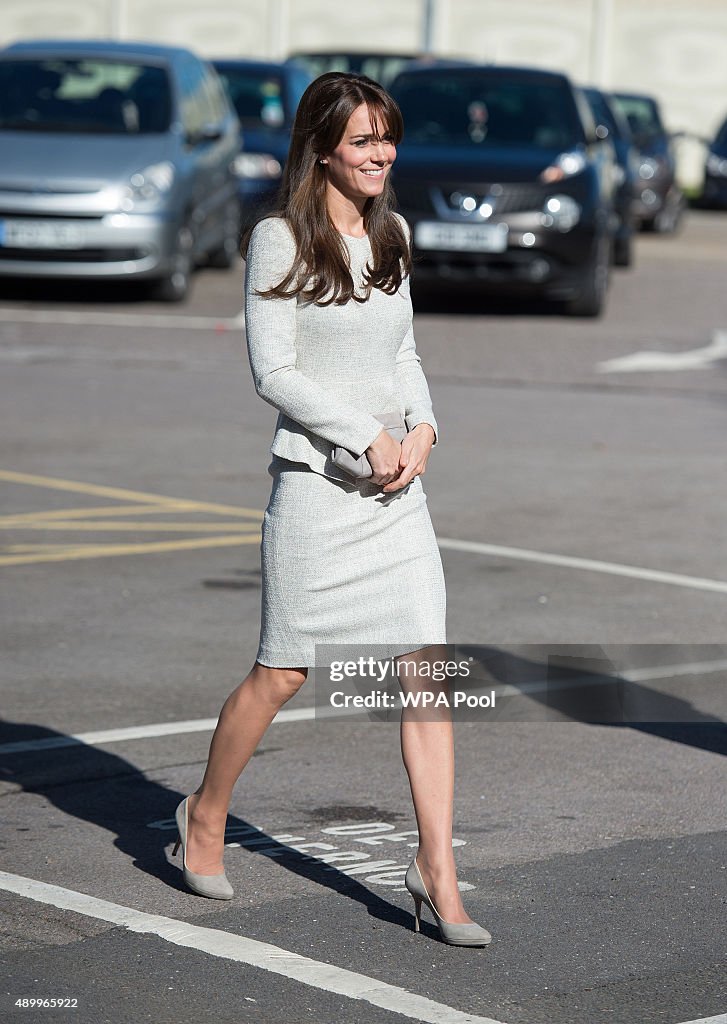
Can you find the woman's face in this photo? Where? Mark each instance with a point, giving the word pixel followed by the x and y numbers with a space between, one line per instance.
pixel 359 164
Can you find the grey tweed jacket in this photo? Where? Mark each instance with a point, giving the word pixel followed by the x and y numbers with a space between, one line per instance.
pixel 329 369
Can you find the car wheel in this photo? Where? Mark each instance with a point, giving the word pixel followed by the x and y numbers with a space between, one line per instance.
pixel 225 255
pixel 592 297
pixel 174 286
pixel 623 251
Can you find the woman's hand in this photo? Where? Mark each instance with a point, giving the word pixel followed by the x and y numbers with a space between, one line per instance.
pixel 414 452
pixel 385 458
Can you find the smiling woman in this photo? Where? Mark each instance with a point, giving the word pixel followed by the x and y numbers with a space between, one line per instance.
pixel 343 144
pixel 348 557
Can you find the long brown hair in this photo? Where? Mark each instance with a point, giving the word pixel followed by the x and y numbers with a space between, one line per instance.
pixel 321 264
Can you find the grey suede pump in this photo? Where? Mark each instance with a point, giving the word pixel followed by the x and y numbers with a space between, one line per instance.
pixel 452 933
pixel 215 886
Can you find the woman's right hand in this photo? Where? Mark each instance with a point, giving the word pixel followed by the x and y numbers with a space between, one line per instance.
pixel 384 454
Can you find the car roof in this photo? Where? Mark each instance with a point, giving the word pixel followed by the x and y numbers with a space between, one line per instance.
pixel 334 52
pixel 494 70
pixel 254 65
pixel 94 47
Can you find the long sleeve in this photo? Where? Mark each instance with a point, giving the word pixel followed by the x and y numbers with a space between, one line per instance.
pixel 271 332
pixel 410 376
pixel 413 386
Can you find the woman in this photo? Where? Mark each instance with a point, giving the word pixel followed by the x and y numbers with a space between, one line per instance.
pixel 344 560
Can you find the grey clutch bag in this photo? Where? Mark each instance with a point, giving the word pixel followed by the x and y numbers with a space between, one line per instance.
pixel 360 467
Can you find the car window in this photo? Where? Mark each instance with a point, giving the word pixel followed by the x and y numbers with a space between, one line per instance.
pixel 473 110
pixel 84 95
pixel 642 114
pixel 257 96
pixel 382 68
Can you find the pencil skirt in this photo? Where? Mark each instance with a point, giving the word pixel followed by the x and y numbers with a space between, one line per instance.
pixel 346 564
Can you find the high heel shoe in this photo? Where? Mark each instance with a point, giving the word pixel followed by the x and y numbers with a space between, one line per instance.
pixel 451 932
pixel 215 886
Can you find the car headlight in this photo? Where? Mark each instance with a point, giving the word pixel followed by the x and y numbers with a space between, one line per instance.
pixel 256 165
pixel 560 212
pixel 717 165
pixel 147 186
pixel 564 166
pixel 649 167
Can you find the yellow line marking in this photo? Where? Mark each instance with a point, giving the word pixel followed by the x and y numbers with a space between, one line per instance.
pixel 37 547
pixel 83 513
pixel 97 519
pixel 109 550
pixel 61 484
pixel 125 524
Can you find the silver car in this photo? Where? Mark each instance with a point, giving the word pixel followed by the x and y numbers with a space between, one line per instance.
pixel 115 163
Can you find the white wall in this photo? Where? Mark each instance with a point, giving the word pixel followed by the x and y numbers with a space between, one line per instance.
pixel 674 50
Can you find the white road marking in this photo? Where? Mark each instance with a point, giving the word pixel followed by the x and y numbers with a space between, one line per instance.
pixel 140 732
pixel 593 565
pixel 95 319
pixel 649 360
pixel 239 948
pixel 721 1019
pixel 307 714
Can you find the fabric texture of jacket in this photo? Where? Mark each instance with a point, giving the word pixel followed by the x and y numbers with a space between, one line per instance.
pixel 329 369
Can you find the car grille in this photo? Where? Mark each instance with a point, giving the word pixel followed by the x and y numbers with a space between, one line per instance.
pixel 14 215
pixel 509 197
pixel 72 255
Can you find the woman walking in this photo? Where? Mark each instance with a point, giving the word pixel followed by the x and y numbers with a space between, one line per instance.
pixel 346 559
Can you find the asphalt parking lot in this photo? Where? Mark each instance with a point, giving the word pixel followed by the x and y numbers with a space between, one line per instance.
pixel 578 495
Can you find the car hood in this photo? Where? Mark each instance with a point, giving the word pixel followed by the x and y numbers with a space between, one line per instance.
pixel 60 161
pixel 468 164
pixel 262 140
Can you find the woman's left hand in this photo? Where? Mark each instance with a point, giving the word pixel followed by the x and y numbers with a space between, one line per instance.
pixel 415 449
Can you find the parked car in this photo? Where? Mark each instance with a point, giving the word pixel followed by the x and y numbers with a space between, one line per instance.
pixel 265 96
pixel 382 67
pixel 660 201
pixel 117 163
pixel 715 170
pixel 611 124
pixel 505 183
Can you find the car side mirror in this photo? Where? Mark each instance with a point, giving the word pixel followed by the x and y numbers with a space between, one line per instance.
pixel 207 133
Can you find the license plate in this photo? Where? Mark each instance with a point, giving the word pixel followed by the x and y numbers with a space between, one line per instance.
pixel 40 234
pixel 461 237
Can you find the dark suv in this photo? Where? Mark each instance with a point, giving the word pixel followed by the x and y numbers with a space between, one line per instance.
pixel 506 183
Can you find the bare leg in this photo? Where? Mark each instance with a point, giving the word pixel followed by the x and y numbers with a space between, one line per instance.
pixel 427 748
pixel 244 717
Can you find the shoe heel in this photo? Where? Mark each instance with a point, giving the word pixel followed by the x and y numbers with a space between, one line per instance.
pixel 176 846
pixel 417 912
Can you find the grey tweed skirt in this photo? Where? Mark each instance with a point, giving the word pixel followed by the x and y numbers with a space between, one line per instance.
pixel 346 564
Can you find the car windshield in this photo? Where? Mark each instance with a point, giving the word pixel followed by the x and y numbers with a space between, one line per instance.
pixel 257 96
pixel 642 115
pixel 381 67
pixel 84 95
pixel 473 110
pixel 721 137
